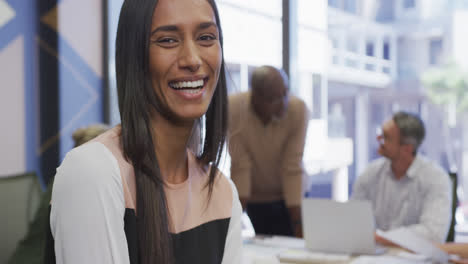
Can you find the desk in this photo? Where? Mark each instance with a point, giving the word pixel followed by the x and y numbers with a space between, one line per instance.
pixel 257 252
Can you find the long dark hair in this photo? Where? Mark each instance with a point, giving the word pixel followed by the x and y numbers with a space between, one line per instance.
pixel 137 100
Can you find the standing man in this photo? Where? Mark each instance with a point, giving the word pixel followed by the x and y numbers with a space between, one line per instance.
pixel 406 190
pixel 267 133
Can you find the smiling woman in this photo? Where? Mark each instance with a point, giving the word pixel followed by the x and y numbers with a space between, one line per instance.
pixel 138 193
pixel 185 56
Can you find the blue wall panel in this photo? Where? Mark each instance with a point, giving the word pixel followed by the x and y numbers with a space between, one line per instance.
pixel 80 95
pixel 24 24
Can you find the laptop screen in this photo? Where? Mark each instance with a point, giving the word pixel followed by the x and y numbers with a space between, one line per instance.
pixel 337 227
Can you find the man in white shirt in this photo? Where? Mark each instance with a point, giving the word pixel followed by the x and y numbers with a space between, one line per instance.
pixel 406 190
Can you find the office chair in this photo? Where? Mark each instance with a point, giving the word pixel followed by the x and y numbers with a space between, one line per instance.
pixel 454 184
pixel 19 199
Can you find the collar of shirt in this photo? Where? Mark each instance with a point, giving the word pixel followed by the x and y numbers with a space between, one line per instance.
pixel 412 170
pixel 410 173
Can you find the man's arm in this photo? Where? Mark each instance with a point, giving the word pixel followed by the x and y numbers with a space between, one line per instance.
pixel 241 167
pixel 241 162
pixel 384 242
pixel 460 249
pixel 296 220
pixel 293 169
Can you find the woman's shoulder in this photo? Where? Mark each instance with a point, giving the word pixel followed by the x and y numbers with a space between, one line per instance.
pixel 90 162
pixel 100 164
pixel 90 153
pixel 89 174
pixel 110 139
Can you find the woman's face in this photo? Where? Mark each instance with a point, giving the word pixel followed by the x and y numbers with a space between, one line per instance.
pixel 185 55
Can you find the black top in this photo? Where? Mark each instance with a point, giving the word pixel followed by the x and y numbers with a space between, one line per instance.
pixel 203 244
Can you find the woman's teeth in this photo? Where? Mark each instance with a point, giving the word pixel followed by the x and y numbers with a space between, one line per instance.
pixel 187 85
pixel 192 91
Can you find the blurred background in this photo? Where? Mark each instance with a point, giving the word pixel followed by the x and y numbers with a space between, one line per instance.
pixel 354 63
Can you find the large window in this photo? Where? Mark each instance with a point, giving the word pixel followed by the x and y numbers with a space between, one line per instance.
pixel 409 3
pixel 386 50
pixel 370 48
pixel 312 54
pixel 252 37
pixel 435 51
pixel 252 31
pixel 350 6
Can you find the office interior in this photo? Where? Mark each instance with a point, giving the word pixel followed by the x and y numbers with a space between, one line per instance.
pixel 353 62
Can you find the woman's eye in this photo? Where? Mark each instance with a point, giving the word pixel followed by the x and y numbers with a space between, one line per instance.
pixel 207 37
pixel 166 42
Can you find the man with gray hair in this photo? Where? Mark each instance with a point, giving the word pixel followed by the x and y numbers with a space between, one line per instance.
pixel 406 190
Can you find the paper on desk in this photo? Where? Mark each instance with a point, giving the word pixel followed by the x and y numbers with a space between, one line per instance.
pixel 388 260
pixel 408 240
pixel 281 241
pixel 258 254
pixel 307 257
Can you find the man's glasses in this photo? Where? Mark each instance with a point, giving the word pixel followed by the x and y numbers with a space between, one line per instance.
pixel 380 135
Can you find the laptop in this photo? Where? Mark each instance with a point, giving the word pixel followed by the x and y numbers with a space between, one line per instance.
pixel 336 227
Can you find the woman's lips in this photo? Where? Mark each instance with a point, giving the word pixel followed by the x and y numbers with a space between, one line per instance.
pixel 189 89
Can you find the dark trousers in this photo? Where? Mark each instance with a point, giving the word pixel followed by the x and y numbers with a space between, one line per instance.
pixel 270 218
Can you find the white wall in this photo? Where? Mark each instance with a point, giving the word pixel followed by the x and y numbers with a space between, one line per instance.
pixel 460 38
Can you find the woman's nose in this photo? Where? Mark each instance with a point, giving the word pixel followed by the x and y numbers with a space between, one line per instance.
pixel 190 57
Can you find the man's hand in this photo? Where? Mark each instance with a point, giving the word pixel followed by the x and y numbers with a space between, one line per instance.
pixel 458 249
pixel 295 215
pixel 384 242
pixel 298 230
pixel 460 261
